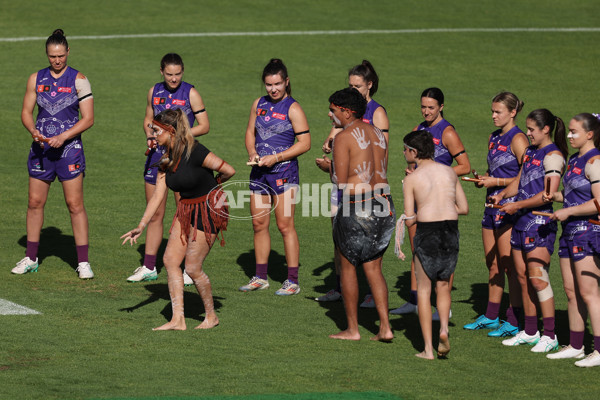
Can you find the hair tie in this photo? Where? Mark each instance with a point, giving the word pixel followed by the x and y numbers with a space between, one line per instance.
pixel 597 116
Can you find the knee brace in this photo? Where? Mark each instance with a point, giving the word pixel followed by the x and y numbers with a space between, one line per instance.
pixel 546 293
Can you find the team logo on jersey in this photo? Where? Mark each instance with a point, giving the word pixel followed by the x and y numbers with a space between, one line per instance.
pixel 281 182
pixel 436 141
pixel 526 158
pixel 261 112
pixel 577 249
pixel 502 148
pixel 536 162
pixel 178 102
pixel 159 101
pixel 577 171
pixel 43 88
pixel 74 167
pixel 491 146
pixel 279 116
pixel 529 240
pixel 64 89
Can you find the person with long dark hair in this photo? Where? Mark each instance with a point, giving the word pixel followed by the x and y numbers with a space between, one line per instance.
pixel 61 94
pixel 276 135
pixel 533 234
pixel 579 244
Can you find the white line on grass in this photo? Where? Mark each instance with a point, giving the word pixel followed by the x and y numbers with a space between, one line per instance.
pixel 307 33
pixel 10 308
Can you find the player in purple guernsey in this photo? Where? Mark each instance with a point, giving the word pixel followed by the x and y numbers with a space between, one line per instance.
pixel 579 244
pixel 172 93
pixel 448 147
pixel 506 147
pixel 533 236
pixel 363 78
pixel 61 94
pixel 276 135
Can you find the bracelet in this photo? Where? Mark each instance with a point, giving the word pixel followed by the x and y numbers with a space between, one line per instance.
pixel 276 157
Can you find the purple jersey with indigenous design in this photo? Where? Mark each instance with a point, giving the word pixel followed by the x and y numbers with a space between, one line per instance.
pixel 164 98
pixel 579 238
pixel 502 163
pixel 274 131
pixel 372 105
pixel 58 106
pixel 442 155
pixel 577 188
pixel 532 183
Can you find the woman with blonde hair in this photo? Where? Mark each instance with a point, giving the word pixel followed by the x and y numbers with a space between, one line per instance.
pixel 187 167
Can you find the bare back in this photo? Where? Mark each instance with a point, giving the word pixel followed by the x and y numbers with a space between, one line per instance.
pixel 435 191
pixel 360 154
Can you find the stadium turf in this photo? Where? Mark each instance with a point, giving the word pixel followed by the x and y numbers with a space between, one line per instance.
pixel 93 339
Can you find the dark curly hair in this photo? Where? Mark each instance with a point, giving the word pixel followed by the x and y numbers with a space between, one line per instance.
pixel 351 99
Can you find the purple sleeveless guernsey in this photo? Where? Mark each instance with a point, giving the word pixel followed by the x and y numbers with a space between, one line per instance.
pixel 577 188
pixel 164 98
pixel 274 131
pixel 442 155
pixel 58 106
pixel 532 183
pixel 502 163
pixel 372 105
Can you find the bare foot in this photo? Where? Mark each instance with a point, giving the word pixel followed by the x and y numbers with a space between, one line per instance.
pixel 384 336
pixel 346 335
pixel 425 355
pixel 172 326
pixel 444 345
pixel 208 323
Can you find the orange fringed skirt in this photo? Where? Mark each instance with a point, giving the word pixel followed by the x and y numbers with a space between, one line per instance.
pixel 212 207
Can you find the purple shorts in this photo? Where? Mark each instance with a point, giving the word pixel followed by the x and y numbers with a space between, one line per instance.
pixel 150 172
pixel 66 162
pixel 264 182
pixel 538 235
pixel 579 240
pixel 495 219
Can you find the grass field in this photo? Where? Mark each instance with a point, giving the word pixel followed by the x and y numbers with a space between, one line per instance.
pixel 93 339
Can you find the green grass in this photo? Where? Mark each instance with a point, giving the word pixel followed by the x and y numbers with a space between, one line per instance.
pixel 93 339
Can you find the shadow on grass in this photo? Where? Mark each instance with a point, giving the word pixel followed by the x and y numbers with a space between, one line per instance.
pixel 367 317
pixel 277 265
pixel 54 243
pixel 159 256
pixel 479 298
pixel 191 299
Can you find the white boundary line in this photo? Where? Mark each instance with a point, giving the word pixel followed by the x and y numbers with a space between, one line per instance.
pixel 10 308
pixel 308 33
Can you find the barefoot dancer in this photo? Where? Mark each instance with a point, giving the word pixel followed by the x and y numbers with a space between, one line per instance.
pixel 363 225
pixel 187 167
pixel 434 190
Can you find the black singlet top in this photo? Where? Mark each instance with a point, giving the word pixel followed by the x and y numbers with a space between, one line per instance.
pixel 191 179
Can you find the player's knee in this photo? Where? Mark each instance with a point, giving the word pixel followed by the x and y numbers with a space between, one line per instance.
pixel 540 280
pixel 75 207
pixel 36 203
